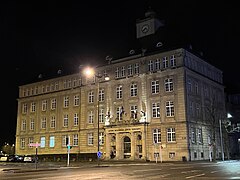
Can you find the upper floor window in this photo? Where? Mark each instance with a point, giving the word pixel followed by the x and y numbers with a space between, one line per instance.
pixel 24 125
pixel 75 140
pixel 119 113
pixel 33 107
pixel 65 84
pixel 130 70
pixel 133 110
pixel 51 141
pixel 101 138
pixel 24 108
pixel 172 61
pixel 165 62
pixel 42 141
pixel 117 72
pixel 90 117
pixel 169 108
pixel 133 90
pixel 90 138
pixel 44 123
pixel 171 135
pixel 150 66
pixel 123 71
pixel 101 115
pixel 169 85
pixel 200 138
pixel 193 136
pixel 66 101
pixel 155 86
pixel 157 136
pixel 136 68
pixel 22 143
pixel 90 96
pixel 53 103
pixel 31 124
pixel 101 95
pixel 157 64
pixel 156 110
pixel 65 120
pixel 76 119
pixel 76 100
pixel 44 105
pixel 53 122
pixel 119 92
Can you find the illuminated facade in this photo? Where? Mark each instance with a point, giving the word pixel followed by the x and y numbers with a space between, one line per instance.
pixel 152 106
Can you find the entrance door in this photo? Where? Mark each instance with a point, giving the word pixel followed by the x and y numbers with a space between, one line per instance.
pixel 127 147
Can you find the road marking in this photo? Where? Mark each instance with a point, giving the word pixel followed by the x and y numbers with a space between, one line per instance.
pixel 189 177
pixel 146 170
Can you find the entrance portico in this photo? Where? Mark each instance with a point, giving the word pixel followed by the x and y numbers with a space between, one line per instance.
pixel 125 143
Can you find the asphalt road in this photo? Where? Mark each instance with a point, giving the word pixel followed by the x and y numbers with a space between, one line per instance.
pixel 122 171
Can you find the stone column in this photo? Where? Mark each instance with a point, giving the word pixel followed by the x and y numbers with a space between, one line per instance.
pixel 118 146
pixel 144 142
pixel 107 146
pixel 133 146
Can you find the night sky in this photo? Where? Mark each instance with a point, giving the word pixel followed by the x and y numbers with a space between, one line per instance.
pixel 41 37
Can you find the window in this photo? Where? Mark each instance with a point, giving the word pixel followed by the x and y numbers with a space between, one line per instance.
pixel 150 66
pixel 101 138
pixel 130 70
pixel 24 125
pixel 43 141
pixel 44 105
pixel 30 141
pixel 33 107
pixel 101 95
pixel 171 135
pixel 66 102
pixel 90 138
pixel 65 84
pixel 119 113
pixel 117 73
pixel 169 109
pixel 172 61
pixel 76 119
pixel 53 103
pixel 24 108
pixel 65 120
pixel 75 140
pixel 136 68
pixel 90 96
pixel 156 110
pixel 51 141
pixel 196 87
pixel 193 136
pixel 90 117
pixel 157 64
pixel 200 138
pixel 165 62
pixel 53 122
pixel 76 100
pixel 44 123
pixel 133 110
pixel 169 85
pixel 155 86
pixel 69 83
pixel 172 155
pixel 64 140
pixel 156 136
pixel 101 115
pixel 22 143
pixel 119 92
pixel 123 71
pixel 32 124
pixel 133 90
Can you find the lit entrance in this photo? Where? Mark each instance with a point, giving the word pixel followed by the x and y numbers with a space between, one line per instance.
pixel 127 147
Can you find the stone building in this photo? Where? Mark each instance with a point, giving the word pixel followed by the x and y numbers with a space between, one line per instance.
pixel 154 105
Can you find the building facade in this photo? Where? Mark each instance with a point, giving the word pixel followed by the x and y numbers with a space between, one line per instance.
pixel 153 106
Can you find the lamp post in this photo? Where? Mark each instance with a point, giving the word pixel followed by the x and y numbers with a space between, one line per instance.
pixel 89 72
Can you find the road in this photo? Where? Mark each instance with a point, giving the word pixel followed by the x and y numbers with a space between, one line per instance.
pixel 126 171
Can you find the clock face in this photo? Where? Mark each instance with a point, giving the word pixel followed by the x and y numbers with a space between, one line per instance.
pixel 145 28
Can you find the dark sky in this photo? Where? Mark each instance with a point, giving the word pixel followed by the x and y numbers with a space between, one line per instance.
pixel 40 37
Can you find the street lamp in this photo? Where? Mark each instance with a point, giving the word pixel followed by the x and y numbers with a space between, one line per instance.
pixel 90 72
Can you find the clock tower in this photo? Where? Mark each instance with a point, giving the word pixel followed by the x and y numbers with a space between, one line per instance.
pixel 147 26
